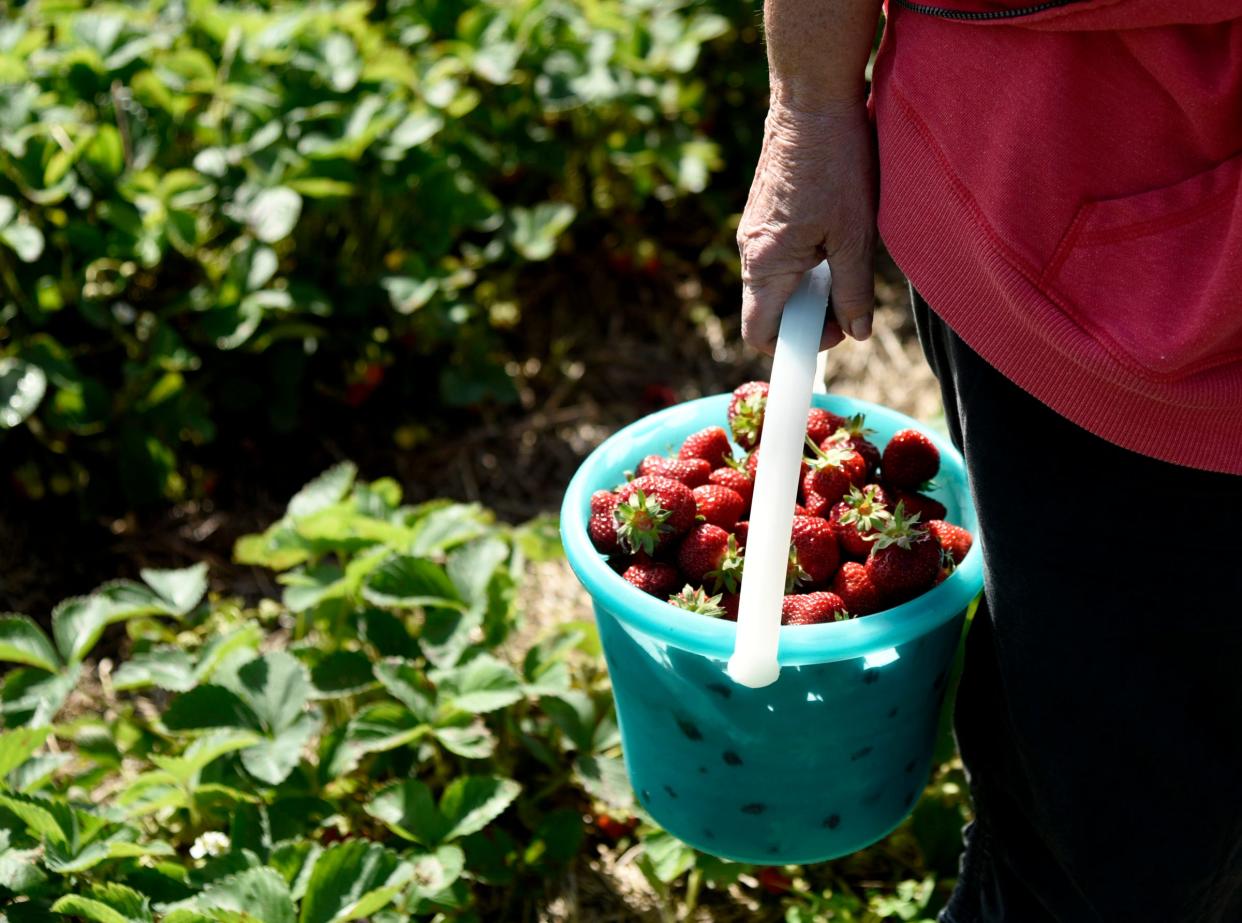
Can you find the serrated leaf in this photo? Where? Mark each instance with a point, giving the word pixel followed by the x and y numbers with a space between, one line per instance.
pixel 19 869
pixel 470 803
pixel 22 641
pixel 345 875
pixel 38 771
pixel 470 567
pixel 22 386
pixel 33 697
pixel 406 683
pixel 441 527
pixel 474 741
pixel 50 819
pixel 168 668
pixel 276 686
pixel 208 748
pixel 261 894
pixel 182 589
pixel 329 487
pixel 340 673
pixel 209 706
pixel 18 745
pixel 98 911
pixel 274 213
pixel 409 810
pixel 275 757
pixel 406 580
pixel 481 685
pixel 435 872
pixel 376 729
pixel 78 622
pixel 604 778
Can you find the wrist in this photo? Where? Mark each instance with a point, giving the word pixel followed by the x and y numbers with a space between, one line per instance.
pixel 812 99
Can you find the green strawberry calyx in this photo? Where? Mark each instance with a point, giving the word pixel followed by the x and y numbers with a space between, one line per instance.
pixel 795 576
pixel 748 416
pixel 695 599
pixel 833 457
pixel 640 522
pixel 728 575
pixel 866 512
pixel 901 530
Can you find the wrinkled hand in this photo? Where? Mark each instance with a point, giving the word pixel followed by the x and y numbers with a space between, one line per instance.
pixel 813 197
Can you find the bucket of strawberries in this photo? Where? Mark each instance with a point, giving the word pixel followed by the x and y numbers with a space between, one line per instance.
pixel 881 569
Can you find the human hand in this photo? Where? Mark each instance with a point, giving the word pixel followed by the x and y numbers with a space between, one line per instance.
pixel 813 197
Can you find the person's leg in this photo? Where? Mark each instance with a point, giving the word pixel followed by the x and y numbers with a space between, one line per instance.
pixel 1100 709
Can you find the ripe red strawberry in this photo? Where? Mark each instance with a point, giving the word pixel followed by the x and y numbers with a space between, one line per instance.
pixel 904 558
pixel 602 527
pixel 741 531
pixel 927 507
pixel 830 471
pixel 710 556
pixel 746 412
pixel 815 544
pixel 615 829
pixel 693 599
pixel 853 584
pixel 820 424
pixel 735 479
pixel 690 471
pixel 909 459
pixel 711 445
pixel 812 608
pixel 955 540
pixel 817 505
pixel 856 433
pixel 773 880
pixel 729 602
pixel 654 577
pixel 718 505
pixel 653 513
pixel 857 516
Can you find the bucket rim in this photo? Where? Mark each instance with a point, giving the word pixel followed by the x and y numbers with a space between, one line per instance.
pixel 714 638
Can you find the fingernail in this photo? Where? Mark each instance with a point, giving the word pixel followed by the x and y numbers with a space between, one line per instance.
pixel 860 328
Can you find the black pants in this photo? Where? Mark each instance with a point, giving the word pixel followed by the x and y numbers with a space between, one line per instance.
pixel 1100 710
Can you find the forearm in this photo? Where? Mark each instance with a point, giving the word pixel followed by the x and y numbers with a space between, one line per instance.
pixel 818 50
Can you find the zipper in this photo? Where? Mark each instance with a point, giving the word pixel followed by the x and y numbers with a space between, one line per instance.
pixel 977 16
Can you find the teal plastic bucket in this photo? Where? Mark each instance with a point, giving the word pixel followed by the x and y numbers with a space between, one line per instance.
pixel 823 762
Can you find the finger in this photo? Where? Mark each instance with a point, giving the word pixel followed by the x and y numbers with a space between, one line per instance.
pixel 832 335
pixel 763 300
pixel 853 294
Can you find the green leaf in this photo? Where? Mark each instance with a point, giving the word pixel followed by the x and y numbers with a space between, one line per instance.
pixel 273 214
pixel 168 668
pixel 17 746
pixel 376 729
pixel 182 589
pixel 258 894
pixel 533 231
pixel 50 819
pixel 348 874
pixel 435 872
pixel 22 386
pixel 340 673
pixel 209 706
pixel 405 580
pixel 471 566
pixel 78 622
pixel 474 741
pixel 108 903
pixel 22 641
pixel 275 757
pixel 277 688
pixel 482 685
pixel 470 803
pixel 406 683
pixel 326 489
pixel 19 868
pixel 439 527
pixel 184 769
pixel 409 810
pixel 386 633
pixel 32 696
pixel 604 778
pixel 670 858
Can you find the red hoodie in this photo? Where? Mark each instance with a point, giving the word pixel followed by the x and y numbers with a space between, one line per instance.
pixel 1063 183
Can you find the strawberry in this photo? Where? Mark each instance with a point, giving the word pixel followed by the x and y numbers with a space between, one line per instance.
pixel 830 471
pixel 729 602
pixel 709 555
pixel 853 584
pixel 773 880
pixel 653 513
pixel 614 829
pixel 602 527
pixel 927 507
pixel 718 505
pixel 654 577
pixel 820 424
pixel 711 444
pixel 817 505
pixel 815 544
pixel 746 413
pixel 741 531
pixel 812 608
pixel 696 600
pixel 690 471
pixel 904 559
pixel 909 459
pixel 856 517
pixel 955 540
pixel 736 479
pixel 856 433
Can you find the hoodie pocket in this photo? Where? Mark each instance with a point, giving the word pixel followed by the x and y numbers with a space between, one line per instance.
pixel 1157 277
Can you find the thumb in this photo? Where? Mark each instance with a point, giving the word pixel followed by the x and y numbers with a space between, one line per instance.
pixel 853 293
